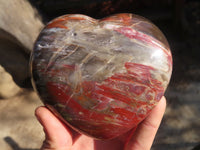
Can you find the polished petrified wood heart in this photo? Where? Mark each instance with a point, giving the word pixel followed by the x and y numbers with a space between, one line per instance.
pixel 101 77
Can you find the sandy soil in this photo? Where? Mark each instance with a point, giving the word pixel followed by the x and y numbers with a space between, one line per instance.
pixel 19 127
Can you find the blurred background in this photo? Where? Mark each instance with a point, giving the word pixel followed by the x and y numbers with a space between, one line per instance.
pixel 22 20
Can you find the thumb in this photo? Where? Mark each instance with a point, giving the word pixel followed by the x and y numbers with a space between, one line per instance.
pixel 144 135
pixel 57 135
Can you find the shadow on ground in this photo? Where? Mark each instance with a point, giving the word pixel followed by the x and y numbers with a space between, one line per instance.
pixel 14 145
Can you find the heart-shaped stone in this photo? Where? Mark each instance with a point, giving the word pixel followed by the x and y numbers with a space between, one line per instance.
pixel 101 77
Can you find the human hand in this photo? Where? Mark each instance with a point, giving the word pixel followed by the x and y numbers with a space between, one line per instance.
pixel 62 137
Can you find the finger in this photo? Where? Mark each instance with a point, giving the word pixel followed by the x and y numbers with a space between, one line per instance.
pixel 58 136
pixel 146 131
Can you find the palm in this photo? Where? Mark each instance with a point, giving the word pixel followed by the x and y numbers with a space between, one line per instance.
pixel 87 143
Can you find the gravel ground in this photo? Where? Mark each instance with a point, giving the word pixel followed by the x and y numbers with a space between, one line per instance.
pixel 181 123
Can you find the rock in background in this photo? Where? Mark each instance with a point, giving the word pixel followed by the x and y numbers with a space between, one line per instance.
pixel 8 87
pixel 20 25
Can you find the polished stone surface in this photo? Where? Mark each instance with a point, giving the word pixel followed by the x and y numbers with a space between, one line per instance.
pixel 101 77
